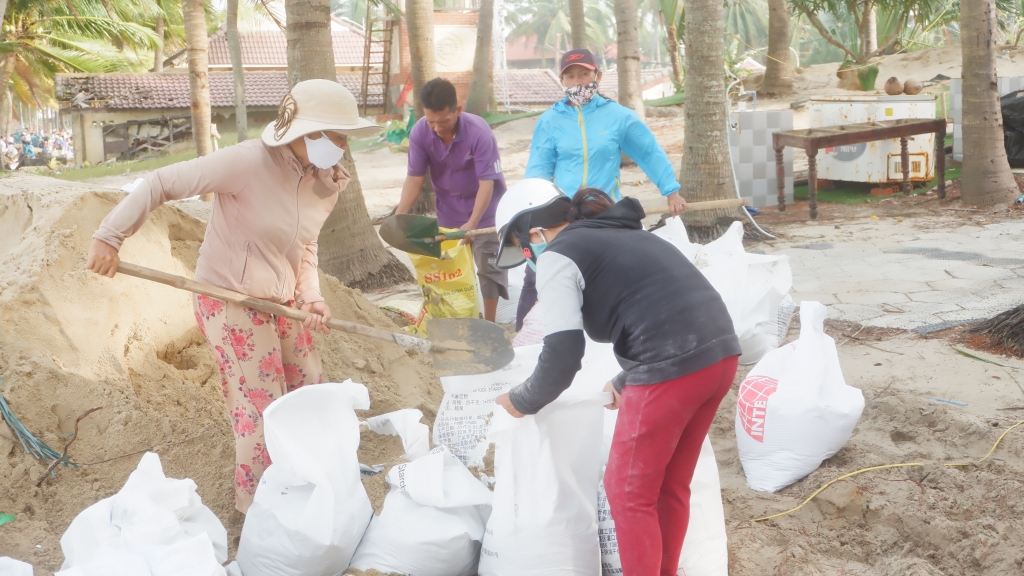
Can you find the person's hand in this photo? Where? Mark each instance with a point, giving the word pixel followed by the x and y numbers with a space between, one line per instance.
pixel 102 259
pixel 616 397
pixel 676 204
pixel 505 402
pixel 468 226
pixel 319 315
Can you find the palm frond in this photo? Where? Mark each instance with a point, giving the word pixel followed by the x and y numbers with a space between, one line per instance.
pixel 100 28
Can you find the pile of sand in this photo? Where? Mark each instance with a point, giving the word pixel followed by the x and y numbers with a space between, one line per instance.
pixel 72 340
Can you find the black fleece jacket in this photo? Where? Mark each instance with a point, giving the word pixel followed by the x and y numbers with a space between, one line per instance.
pixel 621 284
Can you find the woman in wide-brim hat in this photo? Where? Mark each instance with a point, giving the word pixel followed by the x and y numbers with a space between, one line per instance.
pixel 271 197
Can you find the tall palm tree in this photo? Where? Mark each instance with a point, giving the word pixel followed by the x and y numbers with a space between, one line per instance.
pixel 628 56
pixel 549 24
pixel 419 22
pixel 670 11
pixel 198 73
pixel 349 248
pixel 237 71
pixel 578 24
pixel 481 86
pixel 705 142
pixel 44 37
pixel 778 75
pixel 986 178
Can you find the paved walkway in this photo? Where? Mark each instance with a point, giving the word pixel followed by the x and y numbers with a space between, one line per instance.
pixel 919 274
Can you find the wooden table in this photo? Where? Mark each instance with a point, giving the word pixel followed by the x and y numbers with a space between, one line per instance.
pixel 814 139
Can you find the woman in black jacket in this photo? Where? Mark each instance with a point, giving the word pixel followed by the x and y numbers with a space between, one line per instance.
pixel 599 272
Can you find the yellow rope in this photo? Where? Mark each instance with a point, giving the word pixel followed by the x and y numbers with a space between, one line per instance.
pixel 884 467
pixel 900 51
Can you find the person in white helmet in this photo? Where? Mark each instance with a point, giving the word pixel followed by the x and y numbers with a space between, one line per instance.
pixel 600 273
pixel 271 197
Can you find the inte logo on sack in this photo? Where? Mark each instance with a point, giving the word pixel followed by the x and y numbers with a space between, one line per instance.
pixel 753 404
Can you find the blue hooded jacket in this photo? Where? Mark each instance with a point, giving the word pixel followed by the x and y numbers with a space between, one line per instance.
pixel 580 148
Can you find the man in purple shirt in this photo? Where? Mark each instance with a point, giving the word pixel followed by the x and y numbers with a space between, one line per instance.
pixel 462 154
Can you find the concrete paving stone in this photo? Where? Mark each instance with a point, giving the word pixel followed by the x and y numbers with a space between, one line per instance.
pixel 1012 283
pixel 918 275
pixel 861 272
pixel 981 273
pixel 814 296
pixel 990 301
pixel 903 321
pixel 885 285
pixel 935 296
pixel 928 264
pixel 855 312
pixel 869 298
pixel 957 285
pixel 966 316
pixel 929 307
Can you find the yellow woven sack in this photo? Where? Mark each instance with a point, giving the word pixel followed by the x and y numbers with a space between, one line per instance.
pixel 448 283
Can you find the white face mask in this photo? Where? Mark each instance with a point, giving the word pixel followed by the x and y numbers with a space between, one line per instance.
pixel 322 152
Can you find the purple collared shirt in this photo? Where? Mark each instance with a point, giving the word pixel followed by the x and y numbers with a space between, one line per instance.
pixel 457 169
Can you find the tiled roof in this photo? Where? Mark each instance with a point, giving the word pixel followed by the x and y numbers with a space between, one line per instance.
pixel 529 86
pixel 153 91
pixel 270 48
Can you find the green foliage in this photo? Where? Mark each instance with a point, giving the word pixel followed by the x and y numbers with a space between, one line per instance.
pixel 548 23
pixel 50 36
pixel 867 75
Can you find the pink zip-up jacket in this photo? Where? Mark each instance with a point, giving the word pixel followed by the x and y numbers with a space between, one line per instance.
pixel 267 215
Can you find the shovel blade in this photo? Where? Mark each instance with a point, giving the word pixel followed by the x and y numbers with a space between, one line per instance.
pixel 412 234
pixel 490 347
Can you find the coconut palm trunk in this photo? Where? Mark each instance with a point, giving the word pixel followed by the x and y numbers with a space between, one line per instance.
pixel 986 179
pixel 198 73
pixel 481 86
pixel 578 23
pixel 6 101
pixel 419 21
pixel 672 45
pixel 627 20
pixel 706 170
pixel 237 71
pixel 158 52
pixel 349 248
pixel 778 75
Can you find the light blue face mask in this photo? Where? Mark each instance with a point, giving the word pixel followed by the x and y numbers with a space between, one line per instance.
pixel 536 249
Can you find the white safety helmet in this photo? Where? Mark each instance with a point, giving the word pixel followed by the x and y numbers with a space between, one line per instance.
pixel 514 216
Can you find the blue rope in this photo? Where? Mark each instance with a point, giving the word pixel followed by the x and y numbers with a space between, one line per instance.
pixel 37 448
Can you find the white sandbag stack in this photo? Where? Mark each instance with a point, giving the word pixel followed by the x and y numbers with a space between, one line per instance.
pixel 11 567
pixel 753 286
pixel 794 409
pixel 310 508
pixel 154 526
pixel 432 522
pixel 547 465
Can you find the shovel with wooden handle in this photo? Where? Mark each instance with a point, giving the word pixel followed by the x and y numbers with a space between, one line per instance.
pixel 447 343
pixel 421 234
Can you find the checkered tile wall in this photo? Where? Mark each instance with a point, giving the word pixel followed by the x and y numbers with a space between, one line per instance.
pixel 956 104
pixel 753 156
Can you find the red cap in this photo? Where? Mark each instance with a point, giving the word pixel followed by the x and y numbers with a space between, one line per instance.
pixel 579 57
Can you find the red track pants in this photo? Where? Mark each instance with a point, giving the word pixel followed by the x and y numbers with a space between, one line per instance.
pixel 658 435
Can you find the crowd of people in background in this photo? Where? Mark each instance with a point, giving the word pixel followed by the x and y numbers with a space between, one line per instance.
pixel 38 147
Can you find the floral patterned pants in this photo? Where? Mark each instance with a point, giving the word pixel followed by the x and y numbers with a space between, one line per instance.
pixel 261 357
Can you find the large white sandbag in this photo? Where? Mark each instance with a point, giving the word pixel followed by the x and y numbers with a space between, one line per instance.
pixel 506 312
pixel 465 414
pixel 150 520
pixel 752 286
pixel 406 424
pixel 310 509
pixel 794 409
pixel 432 522
pixel 705 549
pixel 11 567
pixel 544 519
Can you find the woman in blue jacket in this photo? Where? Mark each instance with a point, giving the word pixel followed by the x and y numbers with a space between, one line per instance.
pixel 579 143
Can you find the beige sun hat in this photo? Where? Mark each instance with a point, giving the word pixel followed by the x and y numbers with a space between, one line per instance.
pixel 313 106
